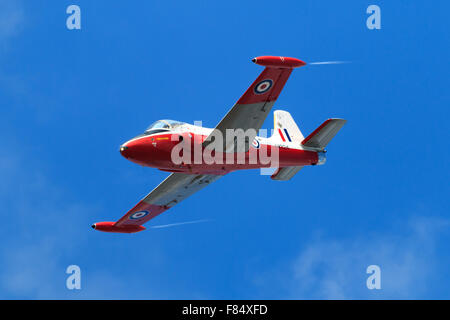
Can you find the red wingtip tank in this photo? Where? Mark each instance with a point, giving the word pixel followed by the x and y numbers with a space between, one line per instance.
pixel 278 62
pixel 109 226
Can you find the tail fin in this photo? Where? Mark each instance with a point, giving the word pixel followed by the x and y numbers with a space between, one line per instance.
pixel 320 137
pixel 285 127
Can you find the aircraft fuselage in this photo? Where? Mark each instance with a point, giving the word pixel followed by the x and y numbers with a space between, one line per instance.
pixel 157 151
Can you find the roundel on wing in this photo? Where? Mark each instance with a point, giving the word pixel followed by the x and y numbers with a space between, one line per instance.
pixel 139 215
pixel 255 144
pixel 263 86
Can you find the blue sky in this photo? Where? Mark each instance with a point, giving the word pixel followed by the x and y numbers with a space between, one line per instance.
pixel 70 98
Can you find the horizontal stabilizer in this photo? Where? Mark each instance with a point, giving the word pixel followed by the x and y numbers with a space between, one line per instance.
pixel 284 174
pixel 323 134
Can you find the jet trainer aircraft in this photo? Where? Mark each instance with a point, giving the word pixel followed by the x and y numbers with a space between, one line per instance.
pixel 208 154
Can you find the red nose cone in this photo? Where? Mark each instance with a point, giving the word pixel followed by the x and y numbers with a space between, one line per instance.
pixel 139 151
pixel 278 62
pixel 123 151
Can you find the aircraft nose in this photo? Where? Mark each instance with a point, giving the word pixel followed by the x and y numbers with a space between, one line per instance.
pixel 135 151
pixel 123 151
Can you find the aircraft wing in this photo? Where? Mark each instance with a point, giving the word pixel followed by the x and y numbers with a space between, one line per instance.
pixel 252 108
pixel 174 189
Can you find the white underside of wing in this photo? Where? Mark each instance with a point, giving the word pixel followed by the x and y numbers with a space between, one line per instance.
pixel 177 187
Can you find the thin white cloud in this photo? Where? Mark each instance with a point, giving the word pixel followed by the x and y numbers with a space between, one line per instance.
pixel 336 268
pixel 38 220
pixel 12 18
pixel 46 230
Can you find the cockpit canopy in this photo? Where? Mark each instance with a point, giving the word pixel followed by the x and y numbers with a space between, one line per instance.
pixel 162 125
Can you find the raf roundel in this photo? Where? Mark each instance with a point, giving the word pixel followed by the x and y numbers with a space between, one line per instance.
pixel 263 86
pixel 139 215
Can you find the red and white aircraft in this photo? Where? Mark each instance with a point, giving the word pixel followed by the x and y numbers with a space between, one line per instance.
pixel 154 148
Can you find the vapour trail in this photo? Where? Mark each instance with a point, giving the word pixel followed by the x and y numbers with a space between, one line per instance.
pixel 178 224
pixel 329 62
